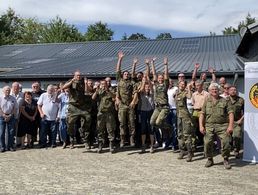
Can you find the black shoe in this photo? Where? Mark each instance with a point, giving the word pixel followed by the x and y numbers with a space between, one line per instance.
pixel 209 162
pixel 42 146
pixel 12 149
pixel 53 146
pixel 2 150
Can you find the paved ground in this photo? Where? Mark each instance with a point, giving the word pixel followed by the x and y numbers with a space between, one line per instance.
pixel 58 171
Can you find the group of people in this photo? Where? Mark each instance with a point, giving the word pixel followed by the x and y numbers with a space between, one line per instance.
pixel 145 108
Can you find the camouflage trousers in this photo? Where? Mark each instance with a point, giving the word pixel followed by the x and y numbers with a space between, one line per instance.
pixel 159 118
pixel 126 117
pixel 220 131
pixel 75 113
pixel 237 136
pixel 106 121
pixel 185 133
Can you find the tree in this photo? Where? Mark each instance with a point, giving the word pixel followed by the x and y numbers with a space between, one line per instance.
pixel 164 36
pixel 32 31
pixel 137 36
pixel 57 30
pixel 124 37
pixel 98 32
pixel 231 30
pixel 10 28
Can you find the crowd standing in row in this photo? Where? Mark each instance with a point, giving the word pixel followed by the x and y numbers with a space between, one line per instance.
pixel 144 108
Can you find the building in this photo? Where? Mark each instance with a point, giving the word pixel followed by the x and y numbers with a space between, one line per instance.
pixel 51 63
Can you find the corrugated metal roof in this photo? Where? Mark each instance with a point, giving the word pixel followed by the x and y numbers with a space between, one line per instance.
pixel 99 58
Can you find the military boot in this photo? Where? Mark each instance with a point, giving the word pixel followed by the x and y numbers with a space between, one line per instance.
pixel 111 147
pixel 189 157
pixel 226 164
pixel 209 162
pixel 122 141
pixel 236 153
pixel 99 150
pixel 132 143
pixel 181 154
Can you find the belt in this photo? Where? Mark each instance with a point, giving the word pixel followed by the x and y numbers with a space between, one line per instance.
pixel 198 109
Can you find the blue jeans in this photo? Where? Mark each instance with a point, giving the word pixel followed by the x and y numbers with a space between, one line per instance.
pixel 172 120
pixel 63 130
pixel 48 128
pixel 9 126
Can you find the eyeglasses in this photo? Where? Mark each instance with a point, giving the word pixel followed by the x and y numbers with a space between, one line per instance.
pixel 35 86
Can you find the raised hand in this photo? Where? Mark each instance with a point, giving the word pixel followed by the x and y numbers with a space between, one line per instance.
pixel 147 61
pixel 135 60
pixel 211 70
pixel 120 55
pixel 197 66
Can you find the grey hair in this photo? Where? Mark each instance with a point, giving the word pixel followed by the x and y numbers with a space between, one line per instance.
pixel 6 87
pixel 212 85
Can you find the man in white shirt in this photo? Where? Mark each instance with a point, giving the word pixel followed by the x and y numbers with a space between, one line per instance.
pixel 48 108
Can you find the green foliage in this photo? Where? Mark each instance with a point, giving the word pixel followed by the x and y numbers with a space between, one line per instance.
pixel 124 37
pixel 57 31
pixel 10 27
pixel 231 30
pixel 31 31
pixel 137 36
pixel 164 36
pixel 99 32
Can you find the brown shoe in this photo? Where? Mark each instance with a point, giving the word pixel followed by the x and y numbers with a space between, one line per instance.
pixel 209 162
pixel 226 164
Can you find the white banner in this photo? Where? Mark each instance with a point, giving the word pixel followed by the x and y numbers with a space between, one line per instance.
pixel 251 113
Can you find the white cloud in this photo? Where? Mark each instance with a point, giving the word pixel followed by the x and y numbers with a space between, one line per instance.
pixel 199 16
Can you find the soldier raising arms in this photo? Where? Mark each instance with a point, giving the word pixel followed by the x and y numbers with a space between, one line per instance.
pixel 126 99
pixel 80 105
pixel 161 84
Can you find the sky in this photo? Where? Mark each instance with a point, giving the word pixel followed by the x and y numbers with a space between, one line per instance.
pixel 181 18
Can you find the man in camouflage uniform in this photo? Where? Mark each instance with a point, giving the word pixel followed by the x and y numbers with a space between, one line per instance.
pixel 126 100
pixel 184 121
pixel 216 117
pixel 105 117
pixel 237 104
pixel 161 111
pixel 80 105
